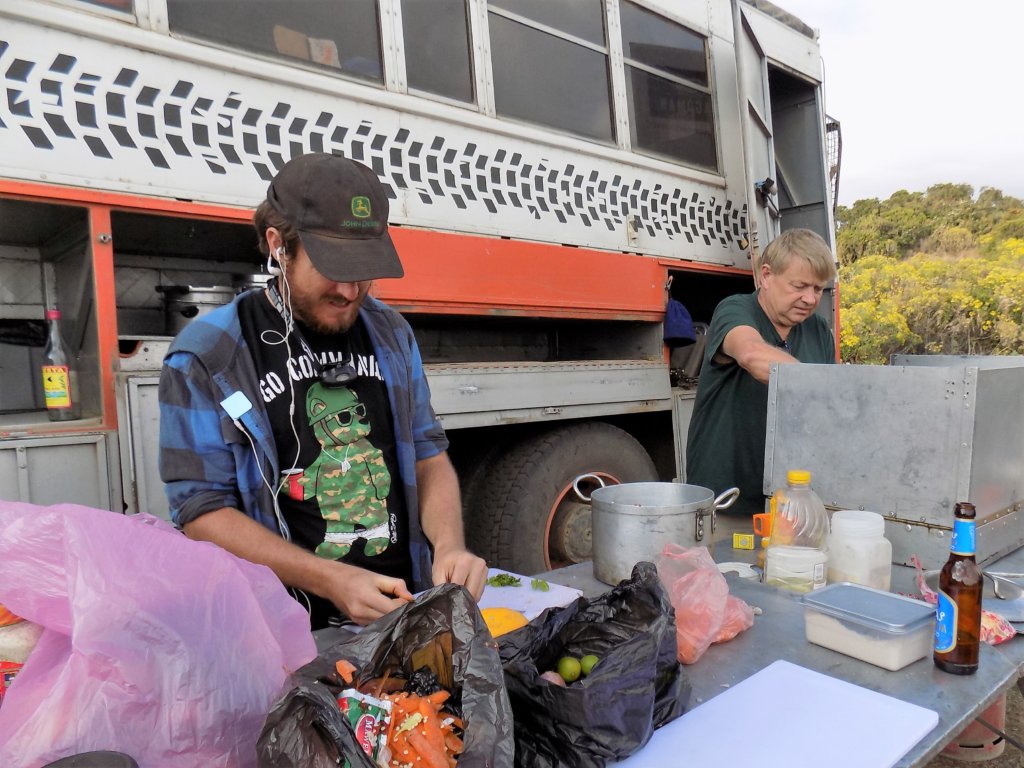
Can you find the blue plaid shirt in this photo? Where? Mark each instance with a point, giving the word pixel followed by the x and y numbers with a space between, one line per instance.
pixel 207 462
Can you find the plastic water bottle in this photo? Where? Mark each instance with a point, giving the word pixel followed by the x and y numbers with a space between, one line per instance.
pixel 797 556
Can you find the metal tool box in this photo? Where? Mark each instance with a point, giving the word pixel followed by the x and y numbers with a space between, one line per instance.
pixel 907 441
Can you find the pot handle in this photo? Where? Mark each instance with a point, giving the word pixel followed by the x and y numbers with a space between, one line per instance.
pixel 576 486
pixel 726 499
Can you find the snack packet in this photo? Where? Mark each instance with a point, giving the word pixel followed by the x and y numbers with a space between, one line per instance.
pixel 369 717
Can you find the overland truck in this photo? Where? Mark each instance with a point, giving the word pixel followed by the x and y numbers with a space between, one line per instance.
pixel 558 170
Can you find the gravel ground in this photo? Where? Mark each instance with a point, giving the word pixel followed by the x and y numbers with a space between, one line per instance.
pixel 1011 757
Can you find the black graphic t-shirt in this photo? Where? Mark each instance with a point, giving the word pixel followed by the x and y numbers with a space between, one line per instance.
pixel 340 490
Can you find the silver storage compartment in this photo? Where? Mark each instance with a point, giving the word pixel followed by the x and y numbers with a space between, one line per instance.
pixel 976 361
pixel 60 469
pixel 907 442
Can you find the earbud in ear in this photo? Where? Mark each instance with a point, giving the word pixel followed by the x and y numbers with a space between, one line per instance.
pixel 279 252
pixel 272 266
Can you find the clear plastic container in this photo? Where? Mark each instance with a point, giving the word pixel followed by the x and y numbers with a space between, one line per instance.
pixel 887 630
pixel 798 569
pixel 858 550
pixel 797 554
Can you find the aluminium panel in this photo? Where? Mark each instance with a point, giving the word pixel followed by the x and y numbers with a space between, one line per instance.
pixel 976 361
pixel 908 442
pixel 476 394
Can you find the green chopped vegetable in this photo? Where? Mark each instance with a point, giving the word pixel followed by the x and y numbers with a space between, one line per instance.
pixel 409 723
pixel 540 585
pixel 503 580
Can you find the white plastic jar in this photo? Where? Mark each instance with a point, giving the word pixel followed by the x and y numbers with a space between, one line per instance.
pixel 858 551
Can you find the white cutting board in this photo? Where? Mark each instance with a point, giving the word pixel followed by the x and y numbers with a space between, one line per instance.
pixel 786 716
pixel 524 598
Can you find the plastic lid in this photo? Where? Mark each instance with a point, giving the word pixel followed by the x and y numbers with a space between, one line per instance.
pixel 869 607
pixel 53 314
pixel 856 522
pixel 800 476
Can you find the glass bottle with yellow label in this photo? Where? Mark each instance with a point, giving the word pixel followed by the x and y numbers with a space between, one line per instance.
pixel 60 377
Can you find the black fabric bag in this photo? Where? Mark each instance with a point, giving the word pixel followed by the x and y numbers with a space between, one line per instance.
pixel 636 686
pixel 441 630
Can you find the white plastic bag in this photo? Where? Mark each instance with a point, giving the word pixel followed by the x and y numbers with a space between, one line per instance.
pixel 169 650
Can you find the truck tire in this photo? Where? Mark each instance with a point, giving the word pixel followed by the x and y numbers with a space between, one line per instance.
pixel 527 518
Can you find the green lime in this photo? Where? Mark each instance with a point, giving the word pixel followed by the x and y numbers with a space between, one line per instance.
pixel 587 663
pixel 569 669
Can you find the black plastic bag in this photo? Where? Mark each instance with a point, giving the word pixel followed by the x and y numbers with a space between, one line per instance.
pixel 441 630
pixel 636 686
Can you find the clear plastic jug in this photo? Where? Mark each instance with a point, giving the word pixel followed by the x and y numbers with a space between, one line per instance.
pixel 799 517
pixel 797 554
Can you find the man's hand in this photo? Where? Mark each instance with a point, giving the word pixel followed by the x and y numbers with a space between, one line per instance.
pixel 460 566
pixel 362 595
pixel 441 516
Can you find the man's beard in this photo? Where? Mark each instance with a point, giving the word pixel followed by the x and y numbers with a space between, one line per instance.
pixel 304 307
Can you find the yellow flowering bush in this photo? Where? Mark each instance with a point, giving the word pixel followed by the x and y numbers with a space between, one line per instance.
pixel 933 304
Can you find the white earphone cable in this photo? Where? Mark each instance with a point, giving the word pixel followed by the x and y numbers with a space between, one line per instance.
pixel 273 337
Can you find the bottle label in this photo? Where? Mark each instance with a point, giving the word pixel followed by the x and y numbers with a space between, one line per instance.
pixel 819 576
pixel 57 386
pixel 945 623
pixel 963 537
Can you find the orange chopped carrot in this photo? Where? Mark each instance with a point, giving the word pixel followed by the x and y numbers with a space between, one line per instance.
pixel 453 743
pixel 346 670
pixel 438 698
pixel 432 756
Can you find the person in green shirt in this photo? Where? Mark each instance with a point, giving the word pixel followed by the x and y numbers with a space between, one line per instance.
pixel 775 324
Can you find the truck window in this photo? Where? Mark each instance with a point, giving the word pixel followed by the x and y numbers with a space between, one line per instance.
pixel 550 65
pixel 343 39
pixel 437 52
pixel 667 85
pixel 117 5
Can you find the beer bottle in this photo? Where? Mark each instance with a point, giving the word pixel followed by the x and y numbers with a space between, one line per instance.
pixel 958 612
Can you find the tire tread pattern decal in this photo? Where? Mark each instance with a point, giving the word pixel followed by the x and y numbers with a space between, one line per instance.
pixel 61 101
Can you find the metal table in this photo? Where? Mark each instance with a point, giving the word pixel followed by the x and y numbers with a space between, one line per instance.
pixel 778 633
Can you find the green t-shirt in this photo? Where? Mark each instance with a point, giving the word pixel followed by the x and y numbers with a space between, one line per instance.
pixel 725 444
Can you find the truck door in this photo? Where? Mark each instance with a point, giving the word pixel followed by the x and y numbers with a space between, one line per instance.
pixel 783 122
pixel 756 120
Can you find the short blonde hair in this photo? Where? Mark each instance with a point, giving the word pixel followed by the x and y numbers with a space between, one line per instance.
pixel 800 244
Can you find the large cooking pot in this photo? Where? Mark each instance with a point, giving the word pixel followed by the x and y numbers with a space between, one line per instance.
pixel 633 522
pixel 184 303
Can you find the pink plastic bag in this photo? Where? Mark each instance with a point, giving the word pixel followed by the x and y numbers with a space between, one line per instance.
pixel 169 650
pixel 705 611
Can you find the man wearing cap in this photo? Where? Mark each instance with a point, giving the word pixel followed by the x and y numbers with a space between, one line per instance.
pixel 296 428
pixel 749 332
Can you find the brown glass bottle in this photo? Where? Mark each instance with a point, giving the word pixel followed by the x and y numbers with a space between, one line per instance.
pixel 958 612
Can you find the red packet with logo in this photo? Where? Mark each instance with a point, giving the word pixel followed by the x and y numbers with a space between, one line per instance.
pixel 369 719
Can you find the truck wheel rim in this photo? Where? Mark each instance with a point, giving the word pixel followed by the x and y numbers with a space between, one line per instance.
pixel 564 527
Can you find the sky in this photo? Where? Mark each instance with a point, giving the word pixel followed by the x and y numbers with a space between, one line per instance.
pixel 926 91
